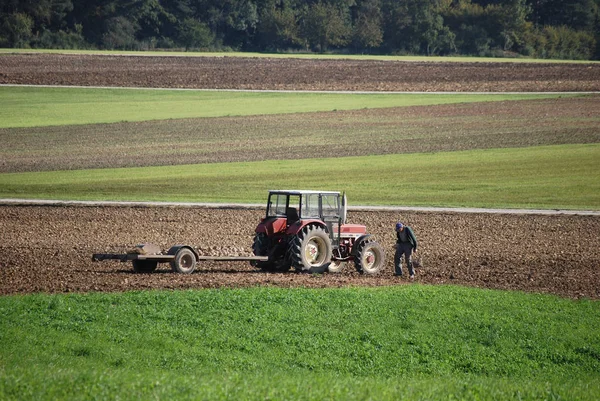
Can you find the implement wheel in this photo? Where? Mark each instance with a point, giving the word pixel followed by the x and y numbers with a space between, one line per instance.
pixel 184 262
pixel 144 266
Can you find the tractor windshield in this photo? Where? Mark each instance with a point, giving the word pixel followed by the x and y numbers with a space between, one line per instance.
pixel 330 205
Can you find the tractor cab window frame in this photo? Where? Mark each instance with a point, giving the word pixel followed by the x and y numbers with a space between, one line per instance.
pixel 330 205
pixel 277 205
pixel 310 205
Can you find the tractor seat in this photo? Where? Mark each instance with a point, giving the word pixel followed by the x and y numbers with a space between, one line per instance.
pixel 292 215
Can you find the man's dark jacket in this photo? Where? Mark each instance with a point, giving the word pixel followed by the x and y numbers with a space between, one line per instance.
pixel 410 235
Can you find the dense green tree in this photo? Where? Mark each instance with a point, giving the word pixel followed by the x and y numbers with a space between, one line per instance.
pixel 120 34
pixel 278 27
pixel 195 34
pixel 512 21
pixel 576 14
pixel 44 13
pixel 152 18
pixel 496 26
pixel 234 22
pixel 324 25
pixel 16 30
pixel 417 26
pixel 367 32
pixel 23 22
pixel 470 24
pixel 541 28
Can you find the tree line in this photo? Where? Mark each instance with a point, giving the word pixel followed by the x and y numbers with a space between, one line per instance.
pixel 536 28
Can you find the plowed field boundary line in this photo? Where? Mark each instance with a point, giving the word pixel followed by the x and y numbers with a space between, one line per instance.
pixel 304 91
pixel 43 202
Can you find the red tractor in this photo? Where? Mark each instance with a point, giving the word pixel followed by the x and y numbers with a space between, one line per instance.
pixel 307 230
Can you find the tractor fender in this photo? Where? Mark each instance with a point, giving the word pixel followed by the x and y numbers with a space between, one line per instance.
pixel 300 224
pixel 271 226
pixel 360 239
pixel 175 248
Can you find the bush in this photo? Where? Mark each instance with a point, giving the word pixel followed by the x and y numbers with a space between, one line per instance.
pixel 62 40
pixel 564 43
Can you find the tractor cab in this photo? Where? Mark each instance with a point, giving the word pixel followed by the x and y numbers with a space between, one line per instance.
pixel 303 207
pixel 296 205
pixel 307 230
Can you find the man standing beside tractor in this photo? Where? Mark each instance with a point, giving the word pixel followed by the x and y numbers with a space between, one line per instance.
pixel 406 245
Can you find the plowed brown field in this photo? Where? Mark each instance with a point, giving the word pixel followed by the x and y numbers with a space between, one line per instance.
pixel 294 74
pixel 48 249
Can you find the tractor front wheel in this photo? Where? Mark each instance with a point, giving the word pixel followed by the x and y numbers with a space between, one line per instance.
pixel 310 250
pixel 369 258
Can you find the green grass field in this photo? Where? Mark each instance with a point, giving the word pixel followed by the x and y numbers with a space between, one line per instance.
pixel 561 177
pixel 32 107
pixel 407 342
pixel 461 59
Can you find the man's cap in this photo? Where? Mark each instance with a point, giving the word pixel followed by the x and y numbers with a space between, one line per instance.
pixel 399 225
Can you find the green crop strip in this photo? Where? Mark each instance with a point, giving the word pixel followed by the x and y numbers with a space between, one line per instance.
pixel 32 107
pixel 422 129
pixel 405 342
pixel 563 177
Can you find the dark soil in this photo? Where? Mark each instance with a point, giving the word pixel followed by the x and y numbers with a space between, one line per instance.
pixel 48 249
pixel 295 74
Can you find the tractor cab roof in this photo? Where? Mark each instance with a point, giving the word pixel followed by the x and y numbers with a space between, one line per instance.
pixel 301 192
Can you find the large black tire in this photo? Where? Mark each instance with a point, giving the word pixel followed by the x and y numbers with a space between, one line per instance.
pixel 260 247
pixel 310 250
pixel 369 257
pixel 184 262
pixel 144 266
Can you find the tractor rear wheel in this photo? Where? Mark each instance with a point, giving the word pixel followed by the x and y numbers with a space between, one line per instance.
pixel 144 266
pixel 260 247
pixel 310 250
pixel 184 262
pixel 369 257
